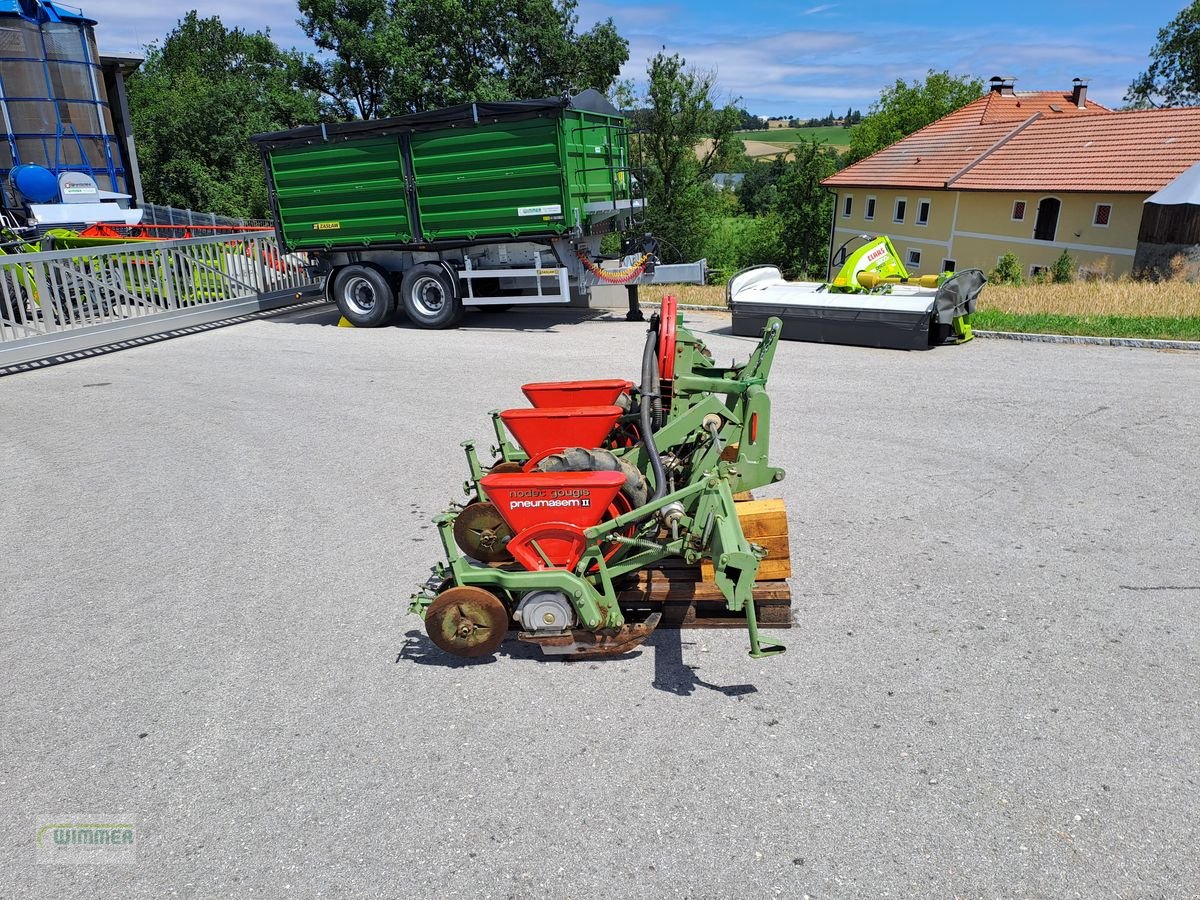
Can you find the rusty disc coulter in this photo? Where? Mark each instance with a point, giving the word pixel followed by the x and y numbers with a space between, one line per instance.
pixel 467 621
pixel 482 534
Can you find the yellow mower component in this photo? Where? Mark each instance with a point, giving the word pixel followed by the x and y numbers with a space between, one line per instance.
pixel 872 280
pixel 874 266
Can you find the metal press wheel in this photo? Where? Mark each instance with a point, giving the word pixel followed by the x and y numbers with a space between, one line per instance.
pixel 364 296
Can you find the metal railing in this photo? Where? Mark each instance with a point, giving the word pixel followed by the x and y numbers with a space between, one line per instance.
pixel 82 297
pixel 157 214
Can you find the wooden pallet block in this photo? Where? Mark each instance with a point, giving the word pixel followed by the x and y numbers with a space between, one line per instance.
pixel 764 522
pixel 687 601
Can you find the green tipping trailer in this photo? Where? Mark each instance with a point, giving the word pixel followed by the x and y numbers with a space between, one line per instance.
pixel 481 204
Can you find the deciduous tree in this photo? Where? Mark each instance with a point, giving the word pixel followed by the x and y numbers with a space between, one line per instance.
pixel 684 138
pixel 805 209
pixel 905 107
pixel 194 103
pixel 390 57
pixel 1173 77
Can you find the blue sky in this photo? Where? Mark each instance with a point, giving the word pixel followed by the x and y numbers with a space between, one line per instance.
pixel 800 59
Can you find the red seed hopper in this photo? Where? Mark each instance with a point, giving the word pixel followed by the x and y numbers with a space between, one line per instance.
pixel 599 392
pixel 548 512
pixel 541 431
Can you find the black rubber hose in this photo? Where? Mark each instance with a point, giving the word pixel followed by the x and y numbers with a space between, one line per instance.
pixel 650 389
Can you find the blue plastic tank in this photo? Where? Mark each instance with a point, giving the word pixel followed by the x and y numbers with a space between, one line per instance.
pixel 37 184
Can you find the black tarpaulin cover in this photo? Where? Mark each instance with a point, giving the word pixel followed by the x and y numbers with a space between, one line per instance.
pixel 956 296
pixel 462 114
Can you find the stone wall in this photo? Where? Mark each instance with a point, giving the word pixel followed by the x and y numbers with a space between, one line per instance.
pixel 1159 262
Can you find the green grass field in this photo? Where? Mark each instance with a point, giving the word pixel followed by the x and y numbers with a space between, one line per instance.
pixel 1163 310
pixel 834 135
pixel 1181 328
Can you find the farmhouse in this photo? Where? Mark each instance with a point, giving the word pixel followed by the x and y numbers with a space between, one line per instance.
pixel 1031 172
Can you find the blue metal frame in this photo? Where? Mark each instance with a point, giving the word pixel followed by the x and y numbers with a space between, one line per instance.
pixel 42 12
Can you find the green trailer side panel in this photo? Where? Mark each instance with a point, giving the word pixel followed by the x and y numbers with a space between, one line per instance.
pixel 508 180
pixel 597 165
pixel 501 180
pixel 334 194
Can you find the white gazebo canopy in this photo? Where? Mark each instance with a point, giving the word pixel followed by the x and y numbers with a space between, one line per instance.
pixel 1184 189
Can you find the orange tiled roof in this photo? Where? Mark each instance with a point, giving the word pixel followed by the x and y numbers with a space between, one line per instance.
pixel 1037 141
pixel 1019 106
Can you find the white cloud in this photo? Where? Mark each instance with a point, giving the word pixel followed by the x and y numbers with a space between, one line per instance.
pixel 806 72
pixel 127 27
pixel 796 70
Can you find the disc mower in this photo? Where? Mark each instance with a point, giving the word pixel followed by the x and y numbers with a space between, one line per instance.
pixel 599 481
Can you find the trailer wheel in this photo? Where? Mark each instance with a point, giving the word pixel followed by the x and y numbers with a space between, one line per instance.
pixel 430 297
pixel 14 301
pixel 364 296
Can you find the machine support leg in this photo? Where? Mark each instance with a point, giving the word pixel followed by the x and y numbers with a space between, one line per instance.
pixel 962 330
pixel 635 310
pixel 759 648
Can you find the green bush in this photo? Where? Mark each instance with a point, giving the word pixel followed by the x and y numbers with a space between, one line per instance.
pixel 1063 270
pixel 1007 271
pixel 740 241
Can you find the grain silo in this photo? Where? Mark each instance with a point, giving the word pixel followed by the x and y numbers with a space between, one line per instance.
pixel 55 110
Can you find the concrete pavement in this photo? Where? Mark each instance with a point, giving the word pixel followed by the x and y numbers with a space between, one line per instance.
pixel 991 689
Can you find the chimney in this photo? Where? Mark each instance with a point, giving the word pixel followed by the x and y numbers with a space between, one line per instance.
pixel 1079 92
pixel 1002 84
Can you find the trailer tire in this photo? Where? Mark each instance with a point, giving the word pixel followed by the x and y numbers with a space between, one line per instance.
pixel 14 302
pixel 364 296
pixel 429 294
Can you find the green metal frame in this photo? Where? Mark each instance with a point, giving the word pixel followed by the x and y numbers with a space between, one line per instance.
pixel 708 528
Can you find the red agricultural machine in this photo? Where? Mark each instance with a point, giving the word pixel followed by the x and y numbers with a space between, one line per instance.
pixel 601 481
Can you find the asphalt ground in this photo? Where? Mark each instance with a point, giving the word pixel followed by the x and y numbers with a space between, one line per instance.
pixel 991 687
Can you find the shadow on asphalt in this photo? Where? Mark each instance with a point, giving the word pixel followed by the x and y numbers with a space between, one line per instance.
pixel 539 319
pixel 419 649
pixel 670 673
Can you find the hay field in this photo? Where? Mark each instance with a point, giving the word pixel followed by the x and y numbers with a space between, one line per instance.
pixel 754 149
pixel 1168 299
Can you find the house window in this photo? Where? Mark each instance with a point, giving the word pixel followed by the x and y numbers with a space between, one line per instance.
pixel 923 212
pixel 847 206
pixel 1103 211
pixel 914 257
pixel 1018 211
pixel 1035 271
pixel 949 265
pixel 901 209
pixel 870 211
